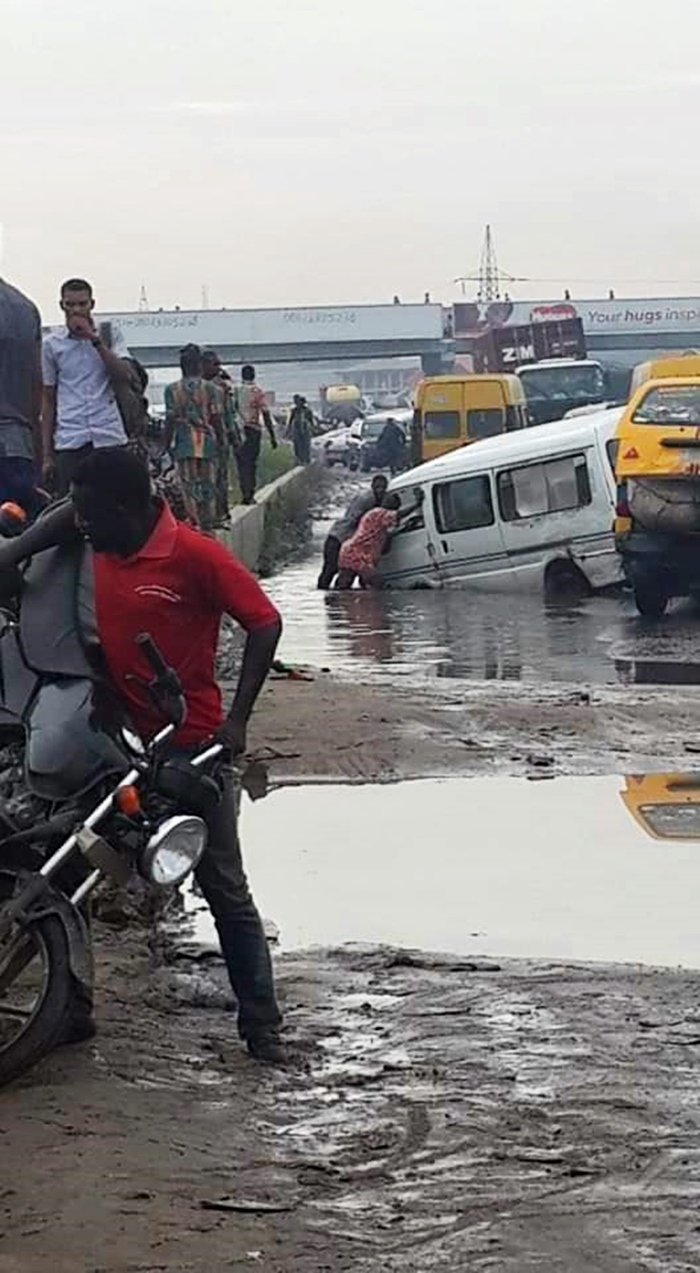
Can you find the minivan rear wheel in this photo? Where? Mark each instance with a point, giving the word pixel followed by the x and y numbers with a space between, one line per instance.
pixel 564 580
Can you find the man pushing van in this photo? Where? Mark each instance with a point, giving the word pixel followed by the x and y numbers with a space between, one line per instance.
pixel 346 526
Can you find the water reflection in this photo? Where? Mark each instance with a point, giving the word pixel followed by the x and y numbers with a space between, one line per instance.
pixel 362 621
pixel 575 868
pixel 470 634
pixel 657 672
pixel 451 633
pixel 666 806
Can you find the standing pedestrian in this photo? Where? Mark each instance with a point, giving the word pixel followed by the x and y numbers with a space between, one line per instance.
pixel 154 575
pixel 251 410
pixel 228 439
pixel 84 367
pixel 194 419
pixel 390 449
pixel 301 423
pixel 20 396
pixel 346 526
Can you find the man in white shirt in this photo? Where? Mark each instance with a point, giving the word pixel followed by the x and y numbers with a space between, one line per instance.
pixel 82 366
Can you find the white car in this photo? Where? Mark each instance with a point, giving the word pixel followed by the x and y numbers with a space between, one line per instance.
pixel 331 448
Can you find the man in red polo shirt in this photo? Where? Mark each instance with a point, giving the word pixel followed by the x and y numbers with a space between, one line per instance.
pixel 153 574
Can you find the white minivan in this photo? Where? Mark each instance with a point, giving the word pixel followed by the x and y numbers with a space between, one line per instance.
pixel 530 510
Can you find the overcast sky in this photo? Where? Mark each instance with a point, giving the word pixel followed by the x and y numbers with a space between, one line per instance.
pixel 311 151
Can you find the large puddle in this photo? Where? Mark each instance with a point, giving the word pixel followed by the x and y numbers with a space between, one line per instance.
pixel 569 868
pixel 395 636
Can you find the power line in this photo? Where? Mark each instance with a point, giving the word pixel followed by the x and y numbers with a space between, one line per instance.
pixel 572 278
pixel 636 282
pixel 489 277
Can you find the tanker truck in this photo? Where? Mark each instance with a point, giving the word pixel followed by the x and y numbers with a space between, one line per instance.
pixel 341 404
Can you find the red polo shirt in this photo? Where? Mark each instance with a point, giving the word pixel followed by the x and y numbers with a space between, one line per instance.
pixel 177 588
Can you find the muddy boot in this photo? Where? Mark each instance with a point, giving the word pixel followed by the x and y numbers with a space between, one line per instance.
pixel 267 1047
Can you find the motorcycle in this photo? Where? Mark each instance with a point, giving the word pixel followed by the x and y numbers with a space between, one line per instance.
pixel 94 801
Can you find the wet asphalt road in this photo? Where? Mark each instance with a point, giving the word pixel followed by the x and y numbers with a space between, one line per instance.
pixel 416 636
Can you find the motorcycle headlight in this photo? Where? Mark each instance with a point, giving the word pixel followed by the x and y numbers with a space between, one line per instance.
pixel 173 850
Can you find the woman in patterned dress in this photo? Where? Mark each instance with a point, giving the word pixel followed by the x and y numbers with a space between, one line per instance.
pixel 194 417
pixel 360 555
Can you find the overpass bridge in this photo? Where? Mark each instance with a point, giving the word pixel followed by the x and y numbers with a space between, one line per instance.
pixel 326 334
pixel 622 331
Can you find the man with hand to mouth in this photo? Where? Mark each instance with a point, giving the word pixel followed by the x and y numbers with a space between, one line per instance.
pixel 82 365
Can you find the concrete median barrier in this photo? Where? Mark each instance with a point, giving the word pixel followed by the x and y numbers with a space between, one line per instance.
pixel 252 524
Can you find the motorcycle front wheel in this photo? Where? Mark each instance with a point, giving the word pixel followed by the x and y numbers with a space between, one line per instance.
pixel 37 995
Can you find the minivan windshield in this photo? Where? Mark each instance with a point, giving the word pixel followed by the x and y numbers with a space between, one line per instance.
pixel 571 383
pixel 670 404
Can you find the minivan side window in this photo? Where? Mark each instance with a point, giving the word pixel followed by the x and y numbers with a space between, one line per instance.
pixel 463 505
pixel 441 424
pixel 552 486
pixel 417 520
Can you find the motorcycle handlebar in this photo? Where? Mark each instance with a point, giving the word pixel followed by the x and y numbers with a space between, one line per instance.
pixel 149 648
pixel 166 689
pixel 209 754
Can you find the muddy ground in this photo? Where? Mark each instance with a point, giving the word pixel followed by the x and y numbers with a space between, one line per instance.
pixel 329 729
pixel 438 1114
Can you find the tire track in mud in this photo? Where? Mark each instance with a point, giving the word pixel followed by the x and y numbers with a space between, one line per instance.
pixel 436 1116
pixel 445 1114
pixel 512 1120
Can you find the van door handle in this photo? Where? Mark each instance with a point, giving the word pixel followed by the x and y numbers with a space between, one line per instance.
pixel 445 546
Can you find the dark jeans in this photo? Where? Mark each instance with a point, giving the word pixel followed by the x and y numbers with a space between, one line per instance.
pixel 302 448
pixel 68 463
pixel 222 879
pixel 329 569
pixel 247 459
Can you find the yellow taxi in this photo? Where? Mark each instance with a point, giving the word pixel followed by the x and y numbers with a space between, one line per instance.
pixel 657 469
